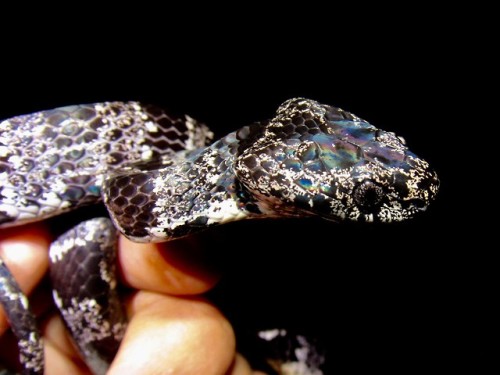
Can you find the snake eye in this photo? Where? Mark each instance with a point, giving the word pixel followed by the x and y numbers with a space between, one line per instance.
pixel 368 195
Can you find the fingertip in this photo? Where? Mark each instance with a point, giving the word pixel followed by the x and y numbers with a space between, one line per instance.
pixel 24 250
pixel 25 253
pixel 181 267
pixel 175 335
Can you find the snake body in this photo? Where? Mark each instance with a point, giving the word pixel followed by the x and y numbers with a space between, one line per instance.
pixel 160 180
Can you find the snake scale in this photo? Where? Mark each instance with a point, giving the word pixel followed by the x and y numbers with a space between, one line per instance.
pixel 160 179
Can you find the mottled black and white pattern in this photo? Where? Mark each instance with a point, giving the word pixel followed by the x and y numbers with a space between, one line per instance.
pixel 16 305
pixel 160 182
pixel 53 161
pixel 83 274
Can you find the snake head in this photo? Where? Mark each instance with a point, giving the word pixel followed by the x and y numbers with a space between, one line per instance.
pixel 320 160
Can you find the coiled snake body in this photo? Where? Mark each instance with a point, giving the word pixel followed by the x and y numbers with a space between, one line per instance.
pixel 159 180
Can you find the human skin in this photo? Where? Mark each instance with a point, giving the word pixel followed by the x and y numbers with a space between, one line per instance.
pixel 172 328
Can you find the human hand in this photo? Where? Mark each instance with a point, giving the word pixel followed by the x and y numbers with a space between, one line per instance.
pixel 172 329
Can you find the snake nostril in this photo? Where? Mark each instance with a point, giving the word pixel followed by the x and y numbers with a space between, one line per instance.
pixel 418 203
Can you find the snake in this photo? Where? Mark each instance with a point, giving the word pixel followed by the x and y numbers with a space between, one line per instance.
pixel 161 177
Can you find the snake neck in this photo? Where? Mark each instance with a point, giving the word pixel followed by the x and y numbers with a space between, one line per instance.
pixel 198 190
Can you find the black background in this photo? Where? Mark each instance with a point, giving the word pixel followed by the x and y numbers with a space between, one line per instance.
pixel 381 297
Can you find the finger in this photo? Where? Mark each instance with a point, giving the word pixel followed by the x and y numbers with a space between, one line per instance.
pixel 24 251
pixel 181 267
pixel 174 335
pixel 61 356
pixel 56 363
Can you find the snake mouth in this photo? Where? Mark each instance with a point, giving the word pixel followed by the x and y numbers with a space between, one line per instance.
pixel 415 206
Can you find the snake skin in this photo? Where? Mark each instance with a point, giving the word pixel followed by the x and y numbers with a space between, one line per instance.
pixel 311 159
pixel 23 322
pixel 159 182
pixel 55 160
pixel 83 275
